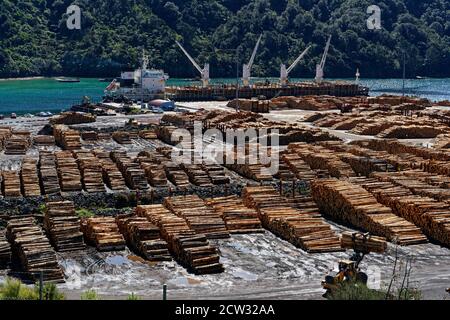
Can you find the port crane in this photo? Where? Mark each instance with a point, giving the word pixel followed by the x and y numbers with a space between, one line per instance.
pixel 204 73
pixel 248 67
pixel 284 74
pixel 321 66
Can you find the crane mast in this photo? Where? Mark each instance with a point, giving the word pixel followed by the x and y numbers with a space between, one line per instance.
pixel 246 72
pixel 204 73
pixel 284 74
pixel 320 67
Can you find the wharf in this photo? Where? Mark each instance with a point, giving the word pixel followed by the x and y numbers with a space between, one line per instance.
pixel 269 91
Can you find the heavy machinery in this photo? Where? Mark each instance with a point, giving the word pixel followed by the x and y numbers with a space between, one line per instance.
pixel 204 73
pixel 320 67
pixel 284 74
pixel 246 72
pixel 348 270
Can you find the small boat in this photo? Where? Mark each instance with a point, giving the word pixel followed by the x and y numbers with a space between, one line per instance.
pixel 106 80
pixel 68 80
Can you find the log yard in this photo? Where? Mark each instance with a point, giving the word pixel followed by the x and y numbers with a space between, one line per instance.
pixel 104 202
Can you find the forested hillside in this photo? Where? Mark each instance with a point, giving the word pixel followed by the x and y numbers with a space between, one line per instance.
pixel 34 38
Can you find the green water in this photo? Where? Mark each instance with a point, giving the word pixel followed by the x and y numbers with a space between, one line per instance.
pixel 31 96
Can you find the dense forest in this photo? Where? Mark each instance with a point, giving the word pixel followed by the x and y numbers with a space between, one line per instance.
pixel 35 40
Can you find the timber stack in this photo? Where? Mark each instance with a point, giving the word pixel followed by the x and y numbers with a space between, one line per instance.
pixel 71 117
pixel 91 171
pixel 148 134
pixel 47 173
pixel 11 184
pixel 134 176
pixel 32 250
pixel 29 177
pixel 199 217
pixel 238 218
pixel 111 174
pixel 66 138
pixel 103 233
pixel 176 175
pixel 352 204
pixel 432 216
pixel 322 159
pixel 5 251
pixel 44 141
pixel 68 172
pixel 363 243
pixel 63 226
pixel 191 250
pixel 155 174
pixel 197 175
pixel 17 145
pixel 297 221
pixel 143 237
pixel 89 136
pixel 121 137
pixel 216 173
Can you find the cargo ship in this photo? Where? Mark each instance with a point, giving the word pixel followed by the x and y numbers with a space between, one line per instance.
pixel 142 85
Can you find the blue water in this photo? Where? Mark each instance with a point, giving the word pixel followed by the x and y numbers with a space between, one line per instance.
pixel 31 96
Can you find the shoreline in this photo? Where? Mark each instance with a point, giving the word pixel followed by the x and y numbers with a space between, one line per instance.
pixel 23 78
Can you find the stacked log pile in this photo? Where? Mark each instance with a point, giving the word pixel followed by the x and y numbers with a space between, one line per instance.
pixel 68 172
pixel 350 123
pixel 238 218
pixel 29 178
pixel 63 226
pixel 155 173
pixel 363 243
pixel 164 133
pixel 411 181
pixel 190 249
pixel 11 184
pixel 70 117
pixel 44 141
pixel 111 174
pixel 48 173
pixel 216 173
pixel 17 145
pixel 66 138
pixel 31 248
pixel 91 171
pixel 412 132
pixel 121 137
pixel 175 174
pixel 103 233
pixel 5 133
pixel 372 129
pixel 432 216
pixel 442 141
pixel 148 134
pixel 89 135
pixel 197 175
pixel 199 217
pixel 5 251
pixel 302 226
pixel 298 167
pixel 134 176
pixel 351 204
pixel 322 159
pixel 143 237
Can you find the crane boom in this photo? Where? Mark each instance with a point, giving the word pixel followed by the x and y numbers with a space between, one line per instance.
pixel 325 53
pixel 252 59
pixel 300 57
pixel 195 64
